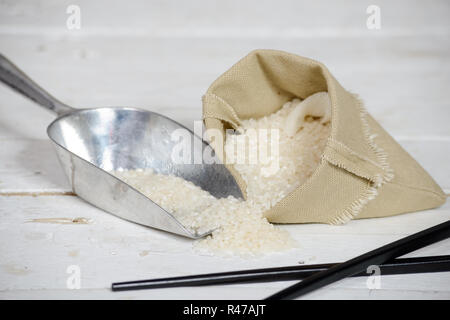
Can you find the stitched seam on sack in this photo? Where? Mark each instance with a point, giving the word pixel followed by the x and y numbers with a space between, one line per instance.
pixel 352 153
pixel 434 193
pixel 389 171
pixel 381 155
pixel 213 115
pixel 356 206
pixel 240 181
pixel 231 109
pixel 371 192
pixel 343 166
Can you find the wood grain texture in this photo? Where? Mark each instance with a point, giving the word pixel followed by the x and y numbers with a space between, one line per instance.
pixel 32 166
pixel 402 80
pixel 162 56
pixel 109 249
pixel 229 293
pixel 206 18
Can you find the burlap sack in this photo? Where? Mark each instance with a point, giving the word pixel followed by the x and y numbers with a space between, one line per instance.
pixel 363 172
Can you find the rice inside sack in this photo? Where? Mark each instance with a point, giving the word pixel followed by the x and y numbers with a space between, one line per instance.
pixel 240 226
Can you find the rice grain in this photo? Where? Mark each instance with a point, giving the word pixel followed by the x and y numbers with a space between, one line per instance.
pixel 240 226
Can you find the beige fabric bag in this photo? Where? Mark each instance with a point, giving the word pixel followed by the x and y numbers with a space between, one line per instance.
pixel 363 173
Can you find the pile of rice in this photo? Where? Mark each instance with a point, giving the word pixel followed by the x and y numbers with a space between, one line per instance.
pixel 240 227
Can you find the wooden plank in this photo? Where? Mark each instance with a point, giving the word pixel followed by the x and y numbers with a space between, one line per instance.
pixel 403 80
pixel 109 249
pixel 224 292
pixel 286 18
pixel 31 166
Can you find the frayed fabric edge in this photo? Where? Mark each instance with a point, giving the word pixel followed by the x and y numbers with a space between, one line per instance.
pixel 371 192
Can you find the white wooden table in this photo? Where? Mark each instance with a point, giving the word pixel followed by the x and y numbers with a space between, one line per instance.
pixel 162 56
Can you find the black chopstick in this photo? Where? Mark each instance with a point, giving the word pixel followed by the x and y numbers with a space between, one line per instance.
pixel 362 262
pixel 397 266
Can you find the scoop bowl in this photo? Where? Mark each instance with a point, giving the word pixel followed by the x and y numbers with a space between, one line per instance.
pixel 90 143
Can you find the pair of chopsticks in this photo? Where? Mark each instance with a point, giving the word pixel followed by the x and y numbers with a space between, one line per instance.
pixel 316 276
pixel 397 266
pixel 374 257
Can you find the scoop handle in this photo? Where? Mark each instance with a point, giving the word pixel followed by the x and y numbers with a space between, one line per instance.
pixel 15 78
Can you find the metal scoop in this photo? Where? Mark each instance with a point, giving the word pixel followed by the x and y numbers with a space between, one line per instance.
pixel 91 142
